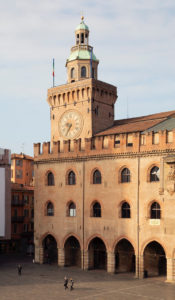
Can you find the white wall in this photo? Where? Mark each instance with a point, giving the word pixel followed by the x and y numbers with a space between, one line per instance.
pixel 2 202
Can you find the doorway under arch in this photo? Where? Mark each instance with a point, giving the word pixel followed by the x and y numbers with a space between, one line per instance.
pixel 154 260
pixel 72 252
pixel 50 249
pixel 97 254
pixel 124 257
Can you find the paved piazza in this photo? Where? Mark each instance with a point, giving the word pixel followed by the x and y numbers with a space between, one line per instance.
pixel 46 282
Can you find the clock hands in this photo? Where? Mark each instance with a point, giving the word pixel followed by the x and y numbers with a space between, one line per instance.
pixel 69 125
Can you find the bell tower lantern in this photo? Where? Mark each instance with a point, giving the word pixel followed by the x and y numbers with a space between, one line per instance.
pixel 82 63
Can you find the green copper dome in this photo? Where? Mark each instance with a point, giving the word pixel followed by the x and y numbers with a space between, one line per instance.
pixel 81 54
pixel 82 25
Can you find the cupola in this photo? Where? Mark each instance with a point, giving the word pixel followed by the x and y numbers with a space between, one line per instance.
pixel 82 63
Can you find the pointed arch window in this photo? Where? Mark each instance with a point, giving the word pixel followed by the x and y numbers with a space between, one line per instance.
pixel 97 210
pixel 50 179
pixel 71 178
pixel 50 209
pixel 125 175
pixel 154 174
pixel 83 71
pixel 155 211
pixel 72 210
pixel 125 210
pixel 97 177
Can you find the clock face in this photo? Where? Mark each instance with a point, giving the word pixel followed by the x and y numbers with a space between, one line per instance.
pixel 71 124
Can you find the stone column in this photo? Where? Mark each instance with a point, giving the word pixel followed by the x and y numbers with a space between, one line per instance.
pixel 110 262
pixel 139 267
pixel 41 255
pixel 61 257
pixel 170 269
pixel 84 256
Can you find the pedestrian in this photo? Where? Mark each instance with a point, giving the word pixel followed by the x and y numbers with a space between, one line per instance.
pixel 65 283
pixel 71 284
pixel 19 269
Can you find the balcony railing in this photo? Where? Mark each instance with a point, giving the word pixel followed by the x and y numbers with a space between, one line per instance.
pixel 18 219
pixel 17 203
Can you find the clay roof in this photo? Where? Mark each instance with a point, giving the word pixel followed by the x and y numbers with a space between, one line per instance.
pixel 137 124
pixel 21 156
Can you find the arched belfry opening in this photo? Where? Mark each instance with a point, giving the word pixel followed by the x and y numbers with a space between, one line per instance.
pixel 97 254
pixel 72 252
pixel 50 250
pixel 124 257
pixel 154 260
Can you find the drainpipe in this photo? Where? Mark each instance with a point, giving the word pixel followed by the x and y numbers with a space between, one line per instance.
pixel 138 215
pixel 83 198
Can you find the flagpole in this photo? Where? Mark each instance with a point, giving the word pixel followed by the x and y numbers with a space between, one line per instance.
pixel 53 72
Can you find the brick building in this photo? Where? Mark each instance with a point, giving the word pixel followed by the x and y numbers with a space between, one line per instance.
pixel 22 203
pixel 5 208
pixel 104 188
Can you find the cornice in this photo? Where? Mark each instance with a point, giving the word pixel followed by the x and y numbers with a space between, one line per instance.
pixel 131 155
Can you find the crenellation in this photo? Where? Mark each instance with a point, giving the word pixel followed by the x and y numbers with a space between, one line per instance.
pixel 102 144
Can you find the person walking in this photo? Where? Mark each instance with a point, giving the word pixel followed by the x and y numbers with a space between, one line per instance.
pixel 65 283
pixel 71 284
pixel 19 269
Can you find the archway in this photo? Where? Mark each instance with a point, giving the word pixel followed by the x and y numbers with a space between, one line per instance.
pixel 72 252
pixel 124 257
pixel 50 249
pixel 97 254
pixel 154 260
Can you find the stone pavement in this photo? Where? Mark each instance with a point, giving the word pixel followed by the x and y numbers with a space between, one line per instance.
pixel 41 282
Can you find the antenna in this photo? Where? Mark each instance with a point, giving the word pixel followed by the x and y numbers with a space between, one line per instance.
pixel 127 108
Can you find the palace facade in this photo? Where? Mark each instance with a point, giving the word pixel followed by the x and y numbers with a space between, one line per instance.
pixel 104 188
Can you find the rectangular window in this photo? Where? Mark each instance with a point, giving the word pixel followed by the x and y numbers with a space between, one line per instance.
pixel 129 140
pixel 19 162
pixel 169 136
pixel 143 139
pixel 26 212
pixel 15 228
pixel 25 227
pixel 32 226
pixel 15 198
pixel 26 199
pixel 117 141
pixel 18 173
pixel 155 138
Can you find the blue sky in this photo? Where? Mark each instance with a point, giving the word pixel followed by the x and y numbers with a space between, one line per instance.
pixel 133 39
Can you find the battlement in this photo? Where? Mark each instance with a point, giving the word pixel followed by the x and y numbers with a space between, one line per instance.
pixel 111 144
pixel 80 91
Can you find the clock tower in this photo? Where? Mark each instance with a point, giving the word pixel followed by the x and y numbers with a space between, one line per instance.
pixel 84 105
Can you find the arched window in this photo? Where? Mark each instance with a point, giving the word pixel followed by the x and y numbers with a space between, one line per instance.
pixel 50 179
pixel 83 72
pixel 72 73
pixel 154 174
pixel 71 178
pixel 97 210
pixel 125 210
pixel 97 177
pixel 50 209
pixel 155 211
pixel 125 175
pixel 72 210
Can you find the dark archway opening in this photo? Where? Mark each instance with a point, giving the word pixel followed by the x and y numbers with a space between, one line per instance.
pixel 154 260
pixel 72 252
pixel 97 254
pixel 50 250
pixel 124 257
